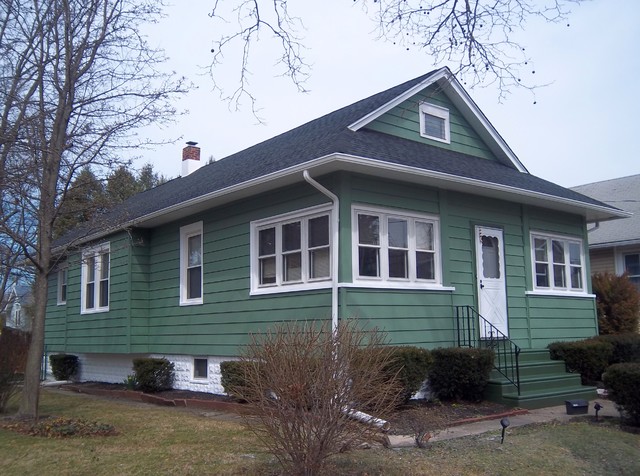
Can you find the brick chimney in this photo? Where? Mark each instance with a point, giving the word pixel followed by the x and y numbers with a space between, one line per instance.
pixel 190 158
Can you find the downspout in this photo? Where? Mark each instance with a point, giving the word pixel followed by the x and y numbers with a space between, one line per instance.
pixel 335 248
pixel 350 412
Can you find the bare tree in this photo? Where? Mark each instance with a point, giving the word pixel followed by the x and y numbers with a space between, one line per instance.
pixel 307 383
pixel 77 79
pixel 475 38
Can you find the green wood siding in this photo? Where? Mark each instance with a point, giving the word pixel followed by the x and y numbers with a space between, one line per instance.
pixel 145 315
pixel 404 121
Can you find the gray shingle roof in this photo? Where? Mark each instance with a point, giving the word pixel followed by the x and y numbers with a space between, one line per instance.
pixel 327 135
pixel 621 193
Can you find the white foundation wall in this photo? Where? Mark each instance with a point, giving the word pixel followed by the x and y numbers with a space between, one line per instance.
pixel 114 368
pixel 109 368
pixel 183 368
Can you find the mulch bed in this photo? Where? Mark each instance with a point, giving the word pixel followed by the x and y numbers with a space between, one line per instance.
pixel 417 413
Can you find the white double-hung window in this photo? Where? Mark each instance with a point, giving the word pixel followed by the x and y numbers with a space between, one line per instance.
pixel 191 264
pixel 95 276
pixel 395 248
pixel 558 263
pixel 291 252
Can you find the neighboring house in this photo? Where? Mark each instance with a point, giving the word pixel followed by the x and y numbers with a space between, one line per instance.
pixel 614 246
pixel 403 210
pixel 18 303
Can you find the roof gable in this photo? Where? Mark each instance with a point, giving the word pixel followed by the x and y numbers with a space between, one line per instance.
pixel 403 120
pixel 444 84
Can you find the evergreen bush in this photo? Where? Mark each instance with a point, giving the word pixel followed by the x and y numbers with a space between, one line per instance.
pixel 64 366
pixel 153 375
pixel 590 357
pixel 460 373
pixel 410 366
pixel 626 347
pixel 618 303
pixel 622 381
pixel 234 376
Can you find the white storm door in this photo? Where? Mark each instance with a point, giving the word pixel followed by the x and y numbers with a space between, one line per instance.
pixel 492 290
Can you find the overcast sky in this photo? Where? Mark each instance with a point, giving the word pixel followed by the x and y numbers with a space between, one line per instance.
pixel 582 128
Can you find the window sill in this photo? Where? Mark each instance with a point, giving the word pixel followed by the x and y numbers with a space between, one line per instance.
pixel 200 381
pixel 551 293
pixel 191 303
pixel 94 311
pixel 398 285
pixel 291 288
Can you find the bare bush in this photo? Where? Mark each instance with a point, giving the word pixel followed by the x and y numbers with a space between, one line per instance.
pixel 307 383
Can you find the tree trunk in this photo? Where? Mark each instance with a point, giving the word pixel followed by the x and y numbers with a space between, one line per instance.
pixel 31 390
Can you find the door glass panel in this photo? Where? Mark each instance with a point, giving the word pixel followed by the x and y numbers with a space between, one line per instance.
pixel 490 257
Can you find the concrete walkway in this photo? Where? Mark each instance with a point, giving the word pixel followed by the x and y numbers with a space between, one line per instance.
pixel 541 415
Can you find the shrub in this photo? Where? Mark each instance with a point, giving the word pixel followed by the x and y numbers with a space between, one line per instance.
pixel 64 366
pixel 588 357
pixel 234 376
pixel 460 373
pixel 409 366
pixel 13 356
pixel 308 387
pixel 618 303
pixel 622 382
pixel 626 347
pixel 153 375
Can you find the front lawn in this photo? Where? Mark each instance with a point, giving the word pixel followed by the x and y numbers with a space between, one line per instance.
pixel 157 440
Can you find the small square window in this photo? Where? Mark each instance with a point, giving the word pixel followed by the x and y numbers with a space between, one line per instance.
pixel 434 122
pixel 200 368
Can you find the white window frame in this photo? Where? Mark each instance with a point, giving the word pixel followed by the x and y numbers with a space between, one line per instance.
pixel 63 276
pixel 95 253
pixel 384 280
pixel 277 222
pixel 186 232
pixel 439 112
pixel 193 375
pixel 552 289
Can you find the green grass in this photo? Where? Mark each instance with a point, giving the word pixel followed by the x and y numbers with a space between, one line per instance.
pixel 158 441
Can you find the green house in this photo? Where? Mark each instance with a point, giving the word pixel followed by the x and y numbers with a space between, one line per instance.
pixel 405 210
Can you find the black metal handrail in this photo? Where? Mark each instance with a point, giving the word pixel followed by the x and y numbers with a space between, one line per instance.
pixel 475 331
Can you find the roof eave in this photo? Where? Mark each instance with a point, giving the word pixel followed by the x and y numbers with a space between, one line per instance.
pixel 337 162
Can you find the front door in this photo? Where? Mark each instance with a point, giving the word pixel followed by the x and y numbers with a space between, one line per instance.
pixel 492 291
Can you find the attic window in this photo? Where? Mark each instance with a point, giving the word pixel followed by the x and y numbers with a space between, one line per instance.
pixel 434 122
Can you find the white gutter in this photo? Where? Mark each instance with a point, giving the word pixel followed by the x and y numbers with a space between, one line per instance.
pixel 335 218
